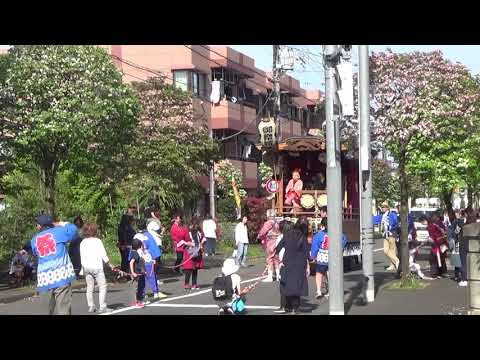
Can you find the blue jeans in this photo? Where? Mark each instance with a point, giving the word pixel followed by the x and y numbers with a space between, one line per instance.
pixel 210 246
pixel 241 254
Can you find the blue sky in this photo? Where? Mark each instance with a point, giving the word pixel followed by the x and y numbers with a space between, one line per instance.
pixel 312 77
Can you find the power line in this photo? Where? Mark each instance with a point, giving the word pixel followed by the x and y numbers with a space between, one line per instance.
pixel 255 71
pixel 164 76
pixel 246 126
pixel 204 113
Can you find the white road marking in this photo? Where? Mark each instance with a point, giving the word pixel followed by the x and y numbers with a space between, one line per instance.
pixel 177 297
pixel 120 310
pixel 205 291
pixel 205 306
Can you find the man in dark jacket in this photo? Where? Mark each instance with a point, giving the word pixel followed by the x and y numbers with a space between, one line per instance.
pixel 126 232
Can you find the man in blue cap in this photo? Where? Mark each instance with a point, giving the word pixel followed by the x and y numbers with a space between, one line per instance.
pixel 55 272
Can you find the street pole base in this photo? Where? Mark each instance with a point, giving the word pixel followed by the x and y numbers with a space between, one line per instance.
pixel 370 295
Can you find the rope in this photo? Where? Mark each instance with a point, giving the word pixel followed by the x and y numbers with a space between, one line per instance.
pixel 255 284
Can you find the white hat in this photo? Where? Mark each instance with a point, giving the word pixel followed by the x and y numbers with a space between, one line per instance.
pixel 229 267
pixel 153 226
pixel 140 237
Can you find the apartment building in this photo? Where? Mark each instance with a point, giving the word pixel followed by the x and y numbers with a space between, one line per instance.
pixel 244 90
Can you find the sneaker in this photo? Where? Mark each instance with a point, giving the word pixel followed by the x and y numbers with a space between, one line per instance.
pixel 92 309
pixel 139 305
pixel 195 287
pixel 187 287
pixel 326 295
pixel 318 296
pixel 105 310
pixel 280 311
pixel 390 268
pixel 462 283
pixel 161 295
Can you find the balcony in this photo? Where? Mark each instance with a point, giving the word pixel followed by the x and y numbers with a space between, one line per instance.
pixel 228 115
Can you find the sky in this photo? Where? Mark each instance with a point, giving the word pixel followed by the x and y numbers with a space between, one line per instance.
pixel 311 76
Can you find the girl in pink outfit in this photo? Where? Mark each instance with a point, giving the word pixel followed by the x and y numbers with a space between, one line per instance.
pixel 294 190
pixel 269 234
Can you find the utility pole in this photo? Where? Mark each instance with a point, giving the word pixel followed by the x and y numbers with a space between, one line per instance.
pixel 276 73
pixel 365 174
pixel 331 55
pixel 211 181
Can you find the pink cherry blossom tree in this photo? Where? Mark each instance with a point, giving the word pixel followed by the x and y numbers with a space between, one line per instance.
pixel 416 98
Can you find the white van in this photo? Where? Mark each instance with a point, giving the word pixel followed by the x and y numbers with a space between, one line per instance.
pixel 417 213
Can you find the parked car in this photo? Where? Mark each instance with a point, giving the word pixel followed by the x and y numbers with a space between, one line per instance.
pixel 417 213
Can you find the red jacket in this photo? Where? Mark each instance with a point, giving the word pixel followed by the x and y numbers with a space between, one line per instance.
pixel 178 234
pixel 437 234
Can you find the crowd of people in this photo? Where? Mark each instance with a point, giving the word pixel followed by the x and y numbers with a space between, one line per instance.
pixel 445 236
pixel 65 251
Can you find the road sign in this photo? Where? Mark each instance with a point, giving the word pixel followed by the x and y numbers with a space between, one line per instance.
pixel 272 186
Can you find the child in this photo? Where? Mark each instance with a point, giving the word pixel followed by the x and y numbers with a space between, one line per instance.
pixel 319 252
pixel 226 289
pixel 153 254
pixel 137 269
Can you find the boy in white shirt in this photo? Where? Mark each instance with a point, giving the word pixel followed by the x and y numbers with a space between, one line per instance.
pixel 92 256
pixel 241 242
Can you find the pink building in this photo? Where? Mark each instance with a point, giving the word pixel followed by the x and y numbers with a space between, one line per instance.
pixel 243 88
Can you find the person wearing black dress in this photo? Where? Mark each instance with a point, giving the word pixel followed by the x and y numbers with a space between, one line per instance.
pixel 295 269
pixel 74 248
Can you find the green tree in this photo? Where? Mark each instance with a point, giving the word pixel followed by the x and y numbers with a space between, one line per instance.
pixel 384 182
pixel 172 147
pixel 66 106
pixel 417 98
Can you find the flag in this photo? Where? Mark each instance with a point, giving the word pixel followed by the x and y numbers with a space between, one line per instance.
pixel 236 196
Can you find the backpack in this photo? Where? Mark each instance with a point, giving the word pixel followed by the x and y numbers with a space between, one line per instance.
pixel 222 288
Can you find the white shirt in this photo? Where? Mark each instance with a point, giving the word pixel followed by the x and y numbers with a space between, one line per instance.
pixel 209 226
pixel 93 254
pixel 241 233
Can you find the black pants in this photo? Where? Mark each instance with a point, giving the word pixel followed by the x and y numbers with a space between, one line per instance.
pixel 158 264
pixel 292 303
pixel 193 274
pixel 178 261
pixel 436 270
pixel 140 288
pixel 124 256
pixel 283 301
pixel 463 259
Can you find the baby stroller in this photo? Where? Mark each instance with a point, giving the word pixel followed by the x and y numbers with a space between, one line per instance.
pixel 21 269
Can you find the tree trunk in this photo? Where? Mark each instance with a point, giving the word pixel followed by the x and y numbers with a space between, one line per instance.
pixel 405 266
pixel 470 197
pixel 447 200
pixel 49 173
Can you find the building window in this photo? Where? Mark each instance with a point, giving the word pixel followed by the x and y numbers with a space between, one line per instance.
pixel 188 80
pixel 180 80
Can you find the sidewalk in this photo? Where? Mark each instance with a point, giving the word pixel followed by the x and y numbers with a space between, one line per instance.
pixel 440 297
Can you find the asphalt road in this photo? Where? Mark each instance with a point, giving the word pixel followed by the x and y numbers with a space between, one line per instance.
pixel 265 297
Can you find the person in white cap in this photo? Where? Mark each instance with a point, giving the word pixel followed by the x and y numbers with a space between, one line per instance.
pixel 225 287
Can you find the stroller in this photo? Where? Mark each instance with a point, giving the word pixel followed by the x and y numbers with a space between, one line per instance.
pixel 21 269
